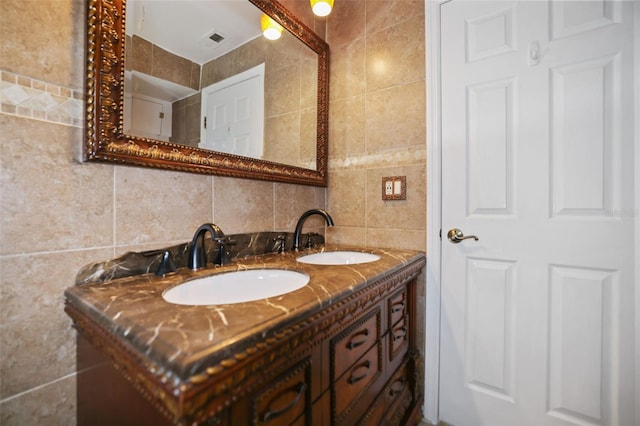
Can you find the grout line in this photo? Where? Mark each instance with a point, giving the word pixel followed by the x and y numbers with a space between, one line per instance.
pixel 36 388
pixel 114 233
pixel 39 253
pixel 213 196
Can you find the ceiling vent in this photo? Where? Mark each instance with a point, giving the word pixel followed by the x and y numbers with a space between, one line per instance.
pixel 216 37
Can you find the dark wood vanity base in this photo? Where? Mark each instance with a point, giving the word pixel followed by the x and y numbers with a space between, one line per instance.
pixel 354 361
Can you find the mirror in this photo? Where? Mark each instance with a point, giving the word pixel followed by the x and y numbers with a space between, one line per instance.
pixel 119 79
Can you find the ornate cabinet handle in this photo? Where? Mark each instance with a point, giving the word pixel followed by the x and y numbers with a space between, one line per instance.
pixel 397 307
pixel 396 387
pixel 272 414
pixel 354 344
pixel 399 333
pixel 364 366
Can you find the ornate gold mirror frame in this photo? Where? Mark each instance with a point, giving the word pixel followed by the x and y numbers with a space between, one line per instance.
pixel 105 140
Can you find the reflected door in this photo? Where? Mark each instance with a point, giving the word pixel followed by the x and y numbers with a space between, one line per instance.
pixel 537 160
pixel 233 111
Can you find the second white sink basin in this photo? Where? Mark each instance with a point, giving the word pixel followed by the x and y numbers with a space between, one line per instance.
pixel 236 287
pixel 338 258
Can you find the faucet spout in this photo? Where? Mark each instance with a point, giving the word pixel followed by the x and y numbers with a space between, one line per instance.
pixel 197 256
pixel 303 217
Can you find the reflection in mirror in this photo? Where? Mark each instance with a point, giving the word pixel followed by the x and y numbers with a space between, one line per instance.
pixel 154 90
pixel 200 74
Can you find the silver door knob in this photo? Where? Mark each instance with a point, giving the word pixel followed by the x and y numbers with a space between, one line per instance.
pixel 455 236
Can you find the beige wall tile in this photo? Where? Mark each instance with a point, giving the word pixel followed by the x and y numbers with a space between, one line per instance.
pixel 37 342
pixel 44 39
pixel 284 52
pixel 345 235
pixel 242 205
pixel 397 214
pixel 409 239
pixel 36 350
pixel 31 283
pixel 308 137
pixel 382 14
pixel 159 205
pixel 347 129
pixel 278 143
pixel 50 202
pixel 399 44
pixel 140 58
pixel 192 119
pixel 396 117
pixel 195 76
pixel 51 404
pixel 347 202
pixel 287 82
pixel 347 70
pixel 309 83
pixel 346 22
pixel 168 66
pixel 293 200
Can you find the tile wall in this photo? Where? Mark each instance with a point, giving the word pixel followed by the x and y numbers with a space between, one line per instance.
pixel 58 214
pixel 377 121
pixel 150 59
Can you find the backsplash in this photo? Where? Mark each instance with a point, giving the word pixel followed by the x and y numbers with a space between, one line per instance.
pixel 238 246
pixel 39 100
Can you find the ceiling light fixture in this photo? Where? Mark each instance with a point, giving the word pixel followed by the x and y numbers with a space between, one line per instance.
pixel 321 7
pixel 270 28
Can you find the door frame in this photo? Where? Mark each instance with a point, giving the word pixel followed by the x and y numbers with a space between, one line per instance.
pixel 434 206
pixel 636 107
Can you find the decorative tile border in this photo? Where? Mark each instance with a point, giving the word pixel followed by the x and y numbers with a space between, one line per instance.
pixel 406 156
pixel 25 97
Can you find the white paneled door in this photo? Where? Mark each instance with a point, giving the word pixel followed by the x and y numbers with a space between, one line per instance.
pixel 233 114
pixel 537 316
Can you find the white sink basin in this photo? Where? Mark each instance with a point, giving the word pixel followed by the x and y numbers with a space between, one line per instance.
pixel 338 258
pixel 236 287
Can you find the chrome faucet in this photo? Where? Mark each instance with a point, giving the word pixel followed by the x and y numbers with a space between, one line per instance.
pixel 303 217
pixel 197 253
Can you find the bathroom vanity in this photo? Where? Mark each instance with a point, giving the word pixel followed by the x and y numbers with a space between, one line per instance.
pixel 339 351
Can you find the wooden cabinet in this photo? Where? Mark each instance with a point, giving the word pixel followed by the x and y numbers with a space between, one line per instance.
pixel 352 363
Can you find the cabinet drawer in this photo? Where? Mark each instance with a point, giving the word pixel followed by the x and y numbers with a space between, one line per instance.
pixel 353 384
pixel 390 406
pixel 397 305
pixel 398 338
pixel 285 400
pixel 349 345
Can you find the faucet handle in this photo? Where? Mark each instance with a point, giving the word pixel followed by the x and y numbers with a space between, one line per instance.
pixel 310 239
pixel 280 243
pixel 166 265
pixel 223 257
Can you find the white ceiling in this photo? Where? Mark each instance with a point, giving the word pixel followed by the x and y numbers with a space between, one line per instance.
pixel 183 27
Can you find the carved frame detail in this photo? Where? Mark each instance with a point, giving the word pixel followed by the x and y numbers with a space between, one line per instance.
pixel 104 137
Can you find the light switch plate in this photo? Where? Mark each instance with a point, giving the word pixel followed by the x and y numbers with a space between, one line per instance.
pixel 394 188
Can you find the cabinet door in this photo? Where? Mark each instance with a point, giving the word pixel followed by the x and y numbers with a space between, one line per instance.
pixel 391 405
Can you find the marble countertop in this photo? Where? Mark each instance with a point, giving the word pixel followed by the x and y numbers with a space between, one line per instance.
pixel 184 340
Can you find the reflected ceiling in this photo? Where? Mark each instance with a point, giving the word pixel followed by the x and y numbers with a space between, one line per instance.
pixel 238 21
